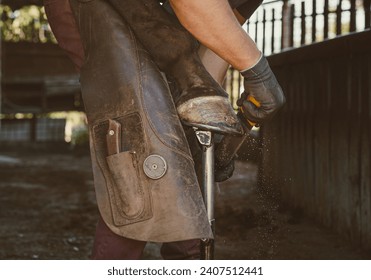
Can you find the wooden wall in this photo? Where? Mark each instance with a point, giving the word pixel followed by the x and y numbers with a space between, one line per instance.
pixel 316 152
pixel 37 78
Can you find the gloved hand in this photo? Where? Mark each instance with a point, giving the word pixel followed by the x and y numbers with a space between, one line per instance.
pixel 263 95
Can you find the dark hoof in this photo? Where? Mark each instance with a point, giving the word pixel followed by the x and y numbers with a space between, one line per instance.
pixel 212 113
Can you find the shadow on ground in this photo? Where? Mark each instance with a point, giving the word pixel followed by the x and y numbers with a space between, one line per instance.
pixel 48 211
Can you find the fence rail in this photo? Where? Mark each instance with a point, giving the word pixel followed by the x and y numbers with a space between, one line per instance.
pixel 282 24
pixel 34 129
pixel 276 25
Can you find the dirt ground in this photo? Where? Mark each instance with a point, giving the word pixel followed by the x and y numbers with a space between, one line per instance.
pixel 48 211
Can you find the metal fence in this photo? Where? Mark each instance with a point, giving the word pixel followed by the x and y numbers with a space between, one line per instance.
pixel 35 129
pixel 281 25
pixel 277 25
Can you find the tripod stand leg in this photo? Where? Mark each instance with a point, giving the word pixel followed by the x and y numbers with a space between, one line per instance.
pixel 208 188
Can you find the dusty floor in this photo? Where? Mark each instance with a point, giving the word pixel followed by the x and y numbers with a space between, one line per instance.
pixel 48 211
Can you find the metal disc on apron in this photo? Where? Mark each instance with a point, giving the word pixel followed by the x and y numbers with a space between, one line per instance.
pixel 154 166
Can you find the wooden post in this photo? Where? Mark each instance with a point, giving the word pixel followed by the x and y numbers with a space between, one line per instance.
pixel 256 27
pixel 366 6
pixel 264 27
pixel 352 23
pixel 325 19
pixel 286 27
pixel 338 18
pixel 292 19
pixel 303 24
pixel 314 20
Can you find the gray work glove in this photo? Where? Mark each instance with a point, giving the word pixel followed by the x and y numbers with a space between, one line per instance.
pixel 263 96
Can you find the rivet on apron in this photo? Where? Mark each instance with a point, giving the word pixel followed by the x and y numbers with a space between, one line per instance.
pixel 155 166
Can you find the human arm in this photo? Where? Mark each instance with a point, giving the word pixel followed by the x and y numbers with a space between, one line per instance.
pixel 214 24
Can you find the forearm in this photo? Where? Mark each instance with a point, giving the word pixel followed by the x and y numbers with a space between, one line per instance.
pixel 215 65
pixel 215 26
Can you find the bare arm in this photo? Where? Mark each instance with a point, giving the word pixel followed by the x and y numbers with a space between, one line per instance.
pixel 215 26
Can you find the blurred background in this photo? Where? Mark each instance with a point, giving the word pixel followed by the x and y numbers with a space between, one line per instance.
pixel 301 188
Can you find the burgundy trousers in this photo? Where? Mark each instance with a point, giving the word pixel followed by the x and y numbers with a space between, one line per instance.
pixel 110 246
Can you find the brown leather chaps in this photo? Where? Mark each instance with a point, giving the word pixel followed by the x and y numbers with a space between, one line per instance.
pixel 144 174
pixel 202 102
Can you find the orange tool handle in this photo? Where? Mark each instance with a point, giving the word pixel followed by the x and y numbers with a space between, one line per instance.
pixel 256 103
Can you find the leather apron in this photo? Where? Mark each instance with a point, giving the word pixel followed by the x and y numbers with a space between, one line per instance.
pixel 144 174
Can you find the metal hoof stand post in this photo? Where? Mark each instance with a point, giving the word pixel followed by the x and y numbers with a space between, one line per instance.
pixel 208 187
